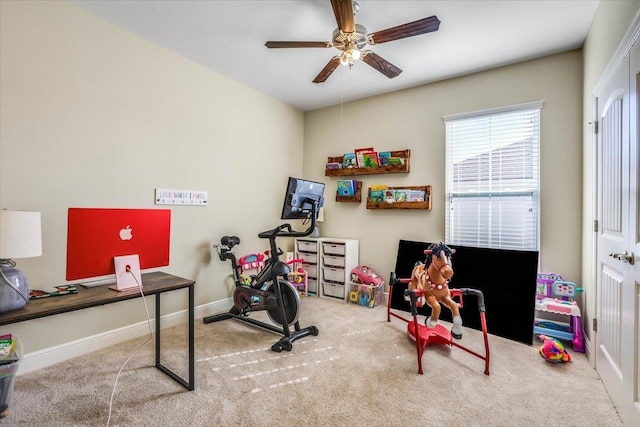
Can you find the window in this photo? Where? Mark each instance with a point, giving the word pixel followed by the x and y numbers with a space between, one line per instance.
pixel 493 185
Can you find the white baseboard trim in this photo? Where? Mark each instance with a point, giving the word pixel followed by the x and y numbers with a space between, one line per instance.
pixel 59 353
pixel 589 351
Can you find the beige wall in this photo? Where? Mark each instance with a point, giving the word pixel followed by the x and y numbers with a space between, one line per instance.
pixel 413 119
pixel 94 116
pixel 609 26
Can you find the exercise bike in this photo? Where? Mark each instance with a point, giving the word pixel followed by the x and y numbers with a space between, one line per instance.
pixel 268 290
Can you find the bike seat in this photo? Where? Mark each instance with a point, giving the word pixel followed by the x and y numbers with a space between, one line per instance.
pixel 230 241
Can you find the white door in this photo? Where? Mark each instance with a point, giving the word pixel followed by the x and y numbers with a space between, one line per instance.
pixel 618 281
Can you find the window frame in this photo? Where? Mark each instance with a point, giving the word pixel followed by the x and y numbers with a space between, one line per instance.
pixel 530 231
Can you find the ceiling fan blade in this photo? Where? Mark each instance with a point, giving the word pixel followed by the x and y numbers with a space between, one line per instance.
pixel 415 28
pixel 343 10
pixel 327 70
pixel 381 64
pixel 297 44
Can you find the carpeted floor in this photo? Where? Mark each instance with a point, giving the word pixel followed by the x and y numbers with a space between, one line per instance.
pixel 360 370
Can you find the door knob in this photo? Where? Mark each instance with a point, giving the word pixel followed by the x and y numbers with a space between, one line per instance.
pixel 626 257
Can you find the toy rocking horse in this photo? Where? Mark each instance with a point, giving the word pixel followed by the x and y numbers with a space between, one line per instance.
pixel 432 278
pixel 429 283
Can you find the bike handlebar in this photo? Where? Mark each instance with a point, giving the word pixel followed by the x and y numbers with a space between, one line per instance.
pixel 285 230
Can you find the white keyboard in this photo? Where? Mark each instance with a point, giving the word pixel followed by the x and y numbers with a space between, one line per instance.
pixel 100 282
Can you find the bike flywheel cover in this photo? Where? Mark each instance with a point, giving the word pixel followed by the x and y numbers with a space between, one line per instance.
pixel 241 298
pixel 291 301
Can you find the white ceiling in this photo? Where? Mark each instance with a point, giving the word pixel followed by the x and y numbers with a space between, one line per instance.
pixel 228 37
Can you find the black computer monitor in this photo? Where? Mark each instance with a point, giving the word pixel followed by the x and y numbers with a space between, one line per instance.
pixel 299 198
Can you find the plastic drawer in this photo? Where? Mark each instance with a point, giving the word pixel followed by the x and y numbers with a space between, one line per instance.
pixel 333 249
pixel 311 258
pixel 334 261
pixel 335 290
pixel 311 269
pixel 307 246
pixel 333 274
pixel 312 286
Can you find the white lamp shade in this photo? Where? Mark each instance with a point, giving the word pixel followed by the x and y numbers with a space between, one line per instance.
pixel 20 234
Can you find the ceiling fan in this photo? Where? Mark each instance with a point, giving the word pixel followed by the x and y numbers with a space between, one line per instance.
pixel 351 38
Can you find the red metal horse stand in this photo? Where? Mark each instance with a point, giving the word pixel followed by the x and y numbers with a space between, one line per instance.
pixel 423 335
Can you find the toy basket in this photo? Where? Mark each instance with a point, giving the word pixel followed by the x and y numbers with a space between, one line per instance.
pixel 365 295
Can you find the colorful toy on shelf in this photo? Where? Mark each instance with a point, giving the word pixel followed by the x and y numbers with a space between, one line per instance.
pixel 249 262
pixel 555 295
pixel 553 351
pixel 298 276
pixel 365 275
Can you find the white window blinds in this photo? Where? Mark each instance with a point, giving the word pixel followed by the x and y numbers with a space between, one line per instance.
pixel 493 183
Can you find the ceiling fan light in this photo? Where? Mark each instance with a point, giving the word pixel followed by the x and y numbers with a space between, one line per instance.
pixel 346 59
pixel 355 54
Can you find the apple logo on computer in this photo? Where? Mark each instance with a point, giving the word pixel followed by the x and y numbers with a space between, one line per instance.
pixel 125 233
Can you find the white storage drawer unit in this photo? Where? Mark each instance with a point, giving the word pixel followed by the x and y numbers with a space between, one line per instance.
pixel 308 250
pixel 330 273
pixel 339 257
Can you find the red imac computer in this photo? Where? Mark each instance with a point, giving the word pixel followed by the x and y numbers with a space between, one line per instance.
pixel 96 235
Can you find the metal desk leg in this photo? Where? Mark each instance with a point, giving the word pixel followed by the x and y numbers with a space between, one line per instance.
pixel 191 384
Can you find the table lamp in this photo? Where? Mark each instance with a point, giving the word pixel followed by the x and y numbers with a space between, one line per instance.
pixel 20 237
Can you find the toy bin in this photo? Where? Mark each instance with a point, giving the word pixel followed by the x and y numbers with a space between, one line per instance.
pixel 306 246
pixel 331 289
pixel 333 274
pixel 365 295
pixel 333 261
pixel 7 376
pixel 333 249
pixel 308 258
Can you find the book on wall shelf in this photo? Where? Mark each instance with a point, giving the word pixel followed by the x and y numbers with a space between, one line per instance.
pixel 383 157
pixel 370 159
pixel 376 195
pixel 395 161
pixel 346 187
pixel 400 195
pixel 349 161
pixel 415 196
pixel 349 191
pixel 359 153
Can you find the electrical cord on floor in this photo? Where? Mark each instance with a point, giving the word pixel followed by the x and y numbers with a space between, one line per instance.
pixel 113 392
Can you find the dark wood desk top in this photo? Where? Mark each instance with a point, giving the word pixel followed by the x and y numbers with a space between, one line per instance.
pixel 152 283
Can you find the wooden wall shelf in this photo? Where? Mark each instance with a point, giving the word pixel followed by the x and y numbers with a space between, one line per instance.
pixel 405 154
pixel 356 198
pixel 403 205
